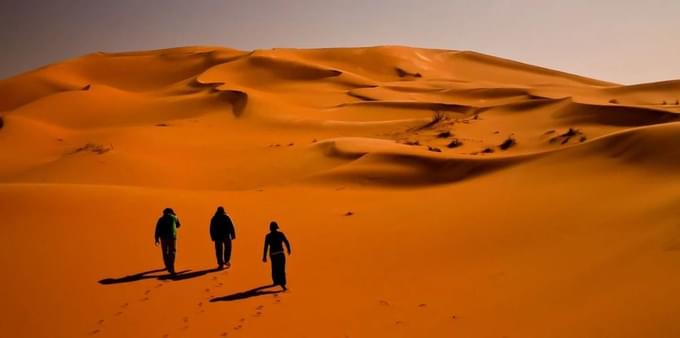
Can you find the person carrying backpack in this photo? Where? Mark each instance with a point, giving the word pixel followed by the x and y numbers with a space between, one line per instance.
pixel 166 234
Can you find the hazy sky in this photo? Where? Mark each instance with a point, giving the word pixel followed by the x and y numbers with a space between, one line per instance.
pixel 617 40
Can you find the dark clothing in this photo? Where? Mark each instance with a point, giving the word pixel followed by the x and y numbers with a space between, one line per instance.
pixel 221 227
pixel 223 251
pixel 222 232
pixel 169 249
pixel 166 227
pixel 166 233
pixel 278 268
pixel 274 242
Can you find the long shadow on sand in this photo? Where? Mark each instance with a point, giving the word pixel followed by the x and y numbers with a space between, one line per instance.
pixel 131 278
pixel 188 274
pixel 181 275
pixel 258 291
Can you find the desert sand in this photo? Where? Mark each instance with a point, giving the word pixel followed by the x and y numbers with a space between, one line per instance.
pixel 426 193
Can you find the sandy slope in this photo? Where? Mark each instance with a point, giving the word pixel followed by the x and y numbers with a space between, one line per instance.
pixel 569 230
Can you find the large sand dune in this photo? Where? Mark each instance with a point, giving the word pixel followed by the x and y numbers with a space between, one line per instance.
pixel 427 193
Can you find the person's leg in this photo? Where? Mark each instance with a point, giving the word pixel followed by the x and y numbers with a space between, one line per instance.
pixel 172 253
pixel 279 270
pixel 227 252
pixel 164 251
pixel 282 272
pixel 218 253
pixel 272 259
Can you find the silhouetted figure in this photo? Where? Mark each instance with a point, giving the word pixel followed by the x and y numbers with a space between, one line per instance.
pixel 274 243
pixel 222 232
pixel 166 233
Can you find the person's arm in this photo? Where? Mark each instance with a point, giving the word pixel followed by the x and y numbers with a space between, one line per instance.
pixel 177 223
pixel 232 229
pixel 266 247
pixel 213 229
pixel 157 234
pixel 285 241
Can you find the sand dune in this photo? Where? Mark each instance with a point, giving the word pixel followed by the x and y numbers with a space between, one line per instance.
pixel 426 192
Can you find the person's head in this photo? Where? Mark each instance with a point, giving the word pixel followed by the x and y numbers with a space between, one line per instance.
pixel 168 211
pixel 220 211
pixel 273 226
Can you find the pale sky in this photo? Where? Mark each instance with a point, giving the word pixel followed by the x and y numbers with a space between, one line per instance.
pixel 620 41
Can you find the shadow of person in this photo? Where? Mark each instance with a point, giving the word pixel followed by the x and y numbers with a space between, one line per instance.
pixel 181 275
pixel 187 274
pixel 258 291
pixel 131 278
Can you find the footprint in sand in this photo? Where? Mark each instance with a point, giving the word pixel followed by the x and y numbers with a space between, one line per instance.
pixel 238 327
pixel 398 322
pixel 158 285
pixel 100 322
pixel 94 332
pixel 257 314
pixel 144 299
pixel 166 335
pixel 422 305
pixel 147 292
pixel 224 334
pixel 125 305
pixel 118 313
pixel 384 302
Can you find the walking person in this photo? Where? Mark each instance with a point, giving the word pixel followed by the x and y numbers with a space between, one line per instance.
pixel 222 232
pixel 166 234
pixel 274 243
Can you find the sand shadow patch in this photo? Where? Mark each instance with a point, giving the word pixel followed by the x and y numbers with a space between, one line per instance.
pixel 187 274
pixel 238 100
pixel 132 278
pixel 258 291
pixel 181 275
pixel 98 149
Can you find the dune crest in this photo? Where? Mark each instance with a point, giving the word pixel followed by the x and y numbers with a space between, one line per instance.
pixel 105 96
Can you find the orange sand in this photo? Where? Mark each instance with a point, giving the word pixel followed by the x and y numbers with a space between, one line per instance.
pixel 563 234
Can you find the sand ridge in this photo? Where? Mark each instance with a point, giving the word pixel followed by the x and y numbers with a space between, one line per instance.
pixel 481 101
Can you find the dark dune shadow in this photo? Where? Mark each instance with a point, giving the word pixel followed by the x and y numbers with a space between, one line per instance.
pixel 258 291
pixel 131 278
